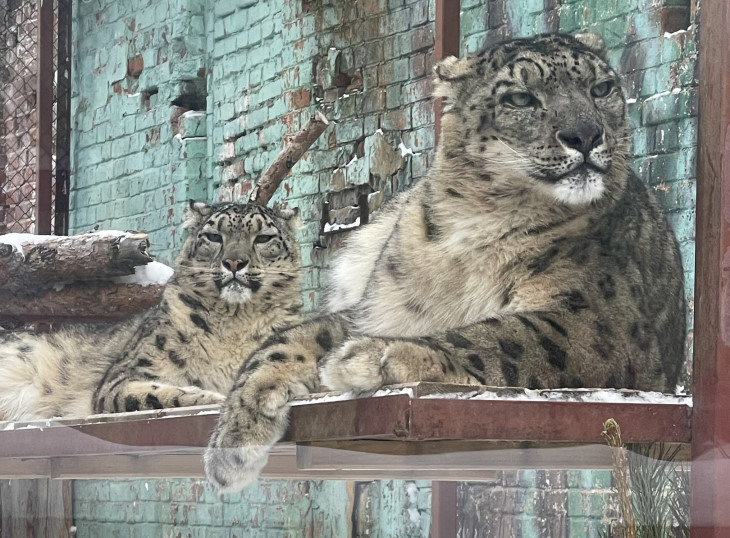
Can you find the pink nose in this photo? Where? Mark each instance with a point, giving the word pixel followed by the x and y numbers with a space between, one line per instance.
pixel 234 265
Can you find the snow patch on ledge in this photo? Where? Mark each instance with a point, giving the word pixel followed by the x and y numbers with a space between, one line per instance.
pixel 152 274
pixel 339 227
pixel 569 395
pixel 344 396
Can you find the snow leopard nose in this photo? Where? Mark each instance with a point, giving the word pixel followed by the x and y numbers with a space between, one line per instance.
pixel 583 136
pixel 234 265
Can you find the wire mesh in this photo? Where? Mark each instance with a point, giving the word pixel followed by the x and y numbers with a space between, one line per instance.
pixel 19 51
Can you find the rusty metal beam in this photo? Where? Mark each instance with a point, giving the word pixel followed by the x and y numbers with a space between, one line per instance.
pixel 44 111
pixel 711 382
pixel 398 417
pixel 63 120
pixel 448 21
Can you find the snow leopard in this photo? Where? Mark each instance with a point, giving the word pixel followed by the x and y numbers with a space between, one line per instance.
pixel 235 282
pixel 529 256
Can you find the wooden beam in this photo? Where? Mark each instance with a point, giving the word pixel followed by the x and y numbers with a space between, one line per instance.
pixel 546 420
pixel 711 382
pixel 441 459
pixel 80 303
pixel 448 33
pixel 443 509
pixel 44 118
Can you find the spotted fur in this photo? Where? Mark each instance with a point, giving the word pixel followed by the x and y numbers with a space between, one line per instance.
pixel 530 256
pixel 236 281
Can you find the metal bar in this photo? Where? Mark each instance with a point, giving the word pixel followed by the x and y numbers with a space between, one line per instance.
pixel 443 509
pixel 44 111
pixel 63 120
pixel 710 517
pixel 448 21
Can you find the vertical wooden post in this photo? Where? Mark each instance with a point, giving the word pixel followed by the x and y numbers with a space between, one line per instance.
pixel 443 509
pixel 448 33
pixel 44 124
pixel 711 384
pixel 32 508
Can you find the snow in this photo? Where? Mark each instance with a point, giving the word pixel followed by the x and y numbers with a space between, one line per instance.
pixel 571 395
pixel 669 35
pixel 630 101
pixel 663 94
pixel 192 114
pixel 339 227
pixel 516 394
pixel 406 151
pixel 152 274
pixel 344 396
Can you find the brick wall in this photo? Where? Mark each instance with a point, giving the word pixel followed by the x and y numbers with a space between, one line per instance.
pixel 137 67
pixel 365 64
pixel 269 509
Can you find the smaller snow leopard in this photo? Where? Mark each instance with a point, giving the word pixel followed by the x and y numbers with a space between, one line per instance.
pixel 236 281
pixel 531 255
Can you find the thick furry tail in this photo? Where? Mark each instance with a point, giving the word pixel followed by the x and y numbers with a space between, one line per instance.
pixel 37 378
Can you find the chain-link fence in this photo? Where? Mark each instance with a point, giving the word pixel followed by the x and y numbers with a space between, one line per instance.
pixel 21 195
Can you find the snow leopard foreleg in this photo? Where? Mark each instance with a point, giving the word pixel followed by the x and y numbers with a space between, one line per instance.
pixel 536 350
pixel 142 395
pixel 255 415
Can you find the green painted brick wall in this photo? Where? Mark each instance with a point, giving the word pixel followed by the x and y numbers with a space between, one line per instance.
pixel 270 509
pixel 194 98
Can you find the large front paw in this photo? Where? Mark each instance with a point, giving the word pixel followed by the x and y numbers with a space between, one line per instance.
pixel 356 366
pixel 366 364
pixel 252 420
pixel 232 469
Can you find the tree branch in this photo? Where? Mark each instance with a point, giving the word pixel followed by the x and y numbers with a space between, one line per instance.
pixel 284 162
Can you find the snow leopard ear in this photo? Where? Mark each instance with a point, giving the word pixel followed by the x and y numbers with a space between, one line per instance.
pixel 593 42
pixel 447 74
pixel 289 217
pixel 287 213
pixel 195 213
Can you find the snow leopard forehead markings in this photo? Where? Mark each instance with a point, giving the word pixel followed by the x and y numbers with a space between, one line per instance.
pixel 547 115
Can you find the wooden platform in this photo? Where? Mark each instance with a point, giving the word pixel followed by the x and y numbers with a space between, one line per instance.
pixel 416 431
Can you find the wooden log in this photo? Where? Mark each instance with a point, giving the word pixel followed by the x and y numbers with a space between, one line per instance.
pixel 41 265
pixel 284 162
pixel 79 302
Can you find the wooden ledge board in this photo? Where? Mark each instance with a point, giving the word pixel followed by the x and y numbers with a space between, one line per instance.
pixel 411 422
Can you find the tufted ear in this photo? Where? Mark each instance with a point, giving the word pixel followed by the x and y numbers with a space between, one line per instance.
pixel 288 217
pixel 592 42
pixel 195 213
pixel 447 74
pixel 286 213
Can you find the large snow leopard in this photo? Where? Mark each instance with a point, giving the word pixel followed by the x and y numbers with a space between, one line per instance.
pixel 530 256
pixel 236 281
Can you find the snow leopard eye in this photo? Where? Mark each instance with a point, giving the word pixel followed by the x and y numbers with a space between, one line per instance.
pixel 602 89
pixel 263 239
pixel 214 238
pixel 519 100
